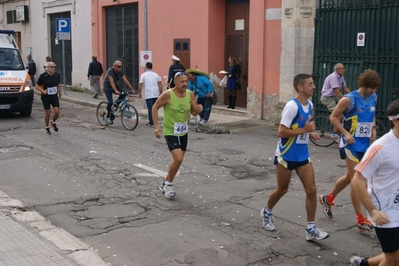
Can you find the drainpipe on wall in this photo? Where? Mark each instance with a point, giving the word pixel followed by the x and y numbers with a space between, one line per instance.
pixel 145 26
pixel 145 35
pixel 2 20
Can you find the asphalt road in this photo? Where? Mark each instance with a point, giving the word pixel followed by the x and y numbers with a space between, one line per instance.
pixel 101 185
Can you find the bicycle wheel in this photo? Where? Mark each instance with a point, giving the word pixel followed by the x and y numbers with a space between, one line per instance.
pixel 381 130
pixel 324 128
pixel 130 117
pixel 102 113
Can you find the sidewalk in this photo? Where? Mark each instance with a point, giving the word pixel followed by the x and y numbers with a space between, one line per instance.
pixel 217 118
pixel 27 239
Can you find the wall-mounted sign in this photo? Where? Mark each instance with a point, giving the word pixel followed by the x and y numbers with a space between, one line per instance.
pixel 145 56
pixel 361 36
pixel 22 13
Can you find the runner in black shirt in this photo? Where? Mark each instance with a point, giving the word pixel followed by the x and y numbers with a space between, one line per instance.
pixel 49 86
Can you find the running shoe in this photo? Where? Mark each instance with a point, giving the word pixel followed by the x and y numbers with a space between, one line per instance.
pixel 203 122
pixel 168 190
pixel 356 261
pixel 267 220
pixel 335 137
pixel 54 126
pixel 365 225
pixel 47 130
pixel 315 233
pixel 327 207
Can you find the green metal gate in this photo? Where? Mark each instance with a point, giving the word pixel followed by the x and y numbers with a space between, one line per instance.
pixel 122 40
pixel 338 24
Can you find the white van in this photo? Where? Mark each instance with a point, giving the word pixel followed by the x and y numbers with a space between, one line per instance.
pixel 16 89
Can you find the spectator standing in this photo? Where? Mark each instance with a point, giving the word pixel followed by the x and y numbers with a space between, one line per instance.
pixel 173 69
pixel 292 154
pixel 178 103
pixel 152 84
pixel 93 74
pixel 233 76
pixel 201 85
pixel 380 169
pixel 47 59
pixel 331 93
pixel 31 66
pixel 49 85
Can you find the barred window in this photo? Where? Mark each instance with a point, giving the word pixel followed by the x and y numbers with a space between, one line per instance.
pixel 12 17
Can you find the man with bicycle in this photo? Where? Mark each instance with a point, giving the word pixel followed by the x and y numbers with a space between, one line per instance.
pixel 113 74
pixel 331 92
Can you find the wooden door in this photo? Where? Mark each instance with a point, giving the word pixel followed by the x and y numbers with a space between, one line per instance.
pixel 181 49
pixel 237 37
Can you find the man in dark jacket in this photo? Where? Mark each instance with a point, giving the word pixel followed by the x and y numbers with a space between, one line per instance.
pixel 173 69
pixel 31 66
pixel 93 74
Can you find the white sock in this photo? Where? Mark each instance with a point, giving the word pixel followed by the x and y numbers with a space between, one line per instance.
pixel 167 183
pixel 311 225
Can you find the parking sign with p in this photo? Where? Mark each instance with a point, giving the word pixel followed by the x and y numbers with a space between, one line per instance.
pixel 63 28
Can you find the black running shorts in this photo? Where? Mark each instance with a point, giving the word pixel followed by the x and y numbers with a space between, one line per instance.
pixel 174 142
pixel 48 100
pixel 389 238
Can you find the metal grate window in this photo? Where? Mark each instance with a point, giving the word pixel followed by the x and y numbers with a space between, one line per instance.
pixel 12 17
pixel 122 40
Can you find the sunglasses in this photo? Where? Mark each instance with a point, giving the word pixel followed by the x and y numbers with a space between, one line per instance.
pixel 51 66
pixel 178 74
pixel 118 66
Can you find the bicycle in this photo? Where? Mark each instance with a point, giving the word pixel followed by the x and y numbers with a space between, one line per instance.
pixel 128 113
pixel 325 129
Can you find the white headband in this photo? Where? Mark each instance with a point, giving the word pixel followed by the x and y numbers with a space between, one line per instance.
pixel 393 116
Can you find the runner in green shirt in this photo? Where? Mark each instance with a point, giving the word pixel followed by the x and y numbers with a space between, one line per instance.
pixel 178 104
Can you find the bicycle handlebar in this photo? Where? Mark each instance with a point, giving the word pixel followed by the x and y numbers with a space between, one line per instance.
pixel 128 93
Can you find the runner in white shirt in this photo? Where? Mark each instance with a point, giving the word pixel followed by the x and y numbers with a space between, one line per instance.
pixel 380 168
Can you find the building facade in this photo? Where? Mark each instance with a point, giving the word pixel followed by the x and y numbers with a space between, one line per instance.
pixel 37 35
pixel 272 39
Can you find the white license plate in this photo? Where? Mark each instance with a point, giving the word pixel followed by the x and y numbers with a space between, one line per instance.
pixel 4 106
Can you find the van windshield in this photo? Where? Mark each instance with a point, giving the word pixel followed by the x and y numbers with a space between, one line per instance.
pixel 10 59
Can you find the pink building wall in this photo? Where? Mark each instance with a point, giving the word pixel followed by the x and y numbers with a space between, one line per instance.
pixel 264 60
pixel 202 23
pixel 272 46
pixel 216 29
pixel 264 48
